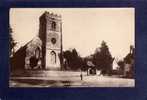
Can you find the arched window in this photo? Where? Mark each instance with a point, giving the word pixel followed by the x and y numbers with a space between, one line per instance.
pixel 37 53
pixel 53 57
pixel 53 25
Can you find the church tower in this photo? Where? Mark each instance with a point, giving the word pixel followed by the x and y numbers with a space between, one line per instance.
pixel 50 32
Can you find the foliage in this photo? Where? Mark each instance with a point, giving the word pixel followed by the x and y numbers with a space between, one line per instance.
pixel 13 43
pixel 73 60
pixel 121 64
pixel 102 58
pixel 128 58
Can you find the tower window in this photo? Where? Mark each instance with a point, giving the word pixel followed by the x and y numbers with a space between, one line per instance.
pixel 53 25
pixel 53 40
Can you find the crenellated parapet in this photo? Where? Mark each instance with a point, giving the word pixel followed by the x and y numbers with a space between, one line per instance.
pixel 52 15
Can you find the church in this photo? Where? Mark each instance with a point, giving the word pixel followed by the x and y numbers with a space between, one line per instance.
pixel 43 51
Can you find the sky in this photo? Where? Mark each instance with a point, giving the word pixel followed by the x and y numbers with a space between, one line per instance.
pixel 82 28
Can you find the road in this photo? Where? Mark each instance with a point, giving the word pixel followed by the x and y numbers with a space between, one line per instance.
pixel 70 79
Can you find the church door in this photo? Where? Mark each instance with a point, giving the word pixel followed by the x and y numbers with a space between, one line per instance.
pixel 53 57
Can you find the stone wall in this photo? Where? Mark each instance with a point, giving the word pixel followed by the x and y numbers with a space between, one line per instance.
pixel 34 51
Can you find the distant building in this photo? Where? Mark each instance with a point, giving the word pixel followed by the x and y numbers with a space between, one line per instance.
pixel 129 63
pixel 44 51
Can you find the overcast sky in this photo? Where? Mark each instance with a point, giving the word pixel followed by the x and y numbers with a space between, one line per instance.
pixel 83 28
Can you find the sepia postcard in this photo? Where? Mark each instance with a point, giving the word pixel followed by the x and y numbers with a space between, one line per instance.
pixel 72 47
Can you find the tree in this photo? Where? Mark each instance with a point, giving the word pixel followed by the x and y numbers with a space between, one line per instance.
pixel 129 59
pixel 12 42
pixel 68 57
pixel 73 60
pixel 106 58
pixel 121 65
pixel 84 64
pixel 97 59
pixel 102 59
pixel 130 56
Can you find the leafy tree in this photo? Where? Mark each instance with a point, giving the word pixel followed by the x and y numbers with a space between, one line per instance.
pixel 84 64
pixel 121 65
pixel 102 58
pixel 67 56
pixel 130 56
pixel 97 59
pixel 13 43
pixel 73 60
pixel 106 58
pixel 129 59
